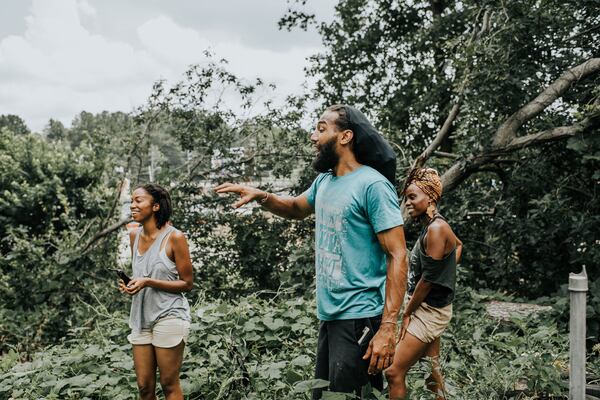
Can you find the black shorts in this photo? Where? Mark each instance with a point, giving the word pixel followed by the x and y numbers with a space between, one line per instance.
pixel 339 356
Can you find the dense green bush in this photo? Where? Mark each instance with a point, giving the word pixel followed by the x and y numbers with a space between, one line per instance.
pixel 251 346
pixel 542 224
pixel 264 349
pixel 544 220
pixel 50 198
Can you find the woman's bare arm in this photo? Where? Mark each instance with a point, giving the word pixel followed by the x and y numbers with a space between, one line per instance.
pixel 459 249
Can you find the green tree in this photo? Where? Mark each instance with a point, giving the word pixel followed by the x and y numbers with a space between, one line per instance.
pixel 51 197
pixel 233 251
pixel 476 89
pixel 14 124
pixel 55 130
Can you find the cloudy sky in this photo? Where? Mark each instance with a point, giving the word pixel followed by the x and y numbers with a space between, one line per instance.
pixel 59 57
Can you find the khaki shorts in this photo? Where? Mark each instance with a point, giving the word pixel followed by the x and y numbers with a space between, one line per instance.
pixel 428 323
pixel 167 332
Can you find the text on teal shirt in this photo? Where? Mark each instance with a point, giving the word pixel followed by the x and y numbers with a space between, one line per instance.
pixel 350 264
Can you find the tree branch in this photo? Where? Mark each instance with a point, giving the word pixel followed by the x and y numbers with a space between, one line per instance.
pixel 104 233
pixel 549 135
pixel 100 235
pixel 462 169
pixel 440 136
pixel 445 155
pixel 445 130
pixel 490 212
pixel 508 130
pixel 456 174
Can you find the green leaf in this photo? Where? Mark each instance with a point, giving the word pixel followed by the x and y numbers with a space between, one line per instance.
pixel 576 144
pixel 273 370
pixel 273 325
pixel 301 361
pixel 310 384
pixel 292 376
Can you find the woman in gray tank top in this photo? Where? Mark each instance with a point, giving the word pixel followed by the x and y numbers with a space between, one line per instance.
pixel 160 313
pixel 431 283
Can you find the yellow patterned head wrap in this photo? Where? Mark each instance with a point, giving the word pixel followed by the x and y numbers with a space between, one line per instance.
pixel 428 180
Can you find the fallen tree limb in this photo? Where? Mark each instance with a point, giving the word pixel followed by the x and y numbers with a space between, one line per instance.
pixel 508 130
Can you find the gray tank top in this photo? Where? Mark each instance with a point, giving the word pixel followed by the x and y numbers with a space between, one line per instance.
pixel 149 304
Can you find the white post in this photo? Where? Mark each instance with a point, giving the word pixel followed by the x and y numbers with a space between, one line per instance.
pixel 150 173
pixel 124 255
pixel 578 286
pixel 125 198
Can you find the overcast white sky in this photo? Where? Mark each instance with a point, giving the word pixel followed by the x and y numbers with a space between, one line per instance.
pixel 59 57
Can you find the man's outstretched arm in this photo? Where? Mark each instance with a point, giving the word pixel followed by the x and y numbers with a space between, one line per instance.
pixel 287 207
pixel 382 347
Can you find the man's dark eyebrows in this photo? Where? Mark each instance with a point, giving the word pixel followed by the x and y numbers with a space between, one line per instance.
pixel 322 121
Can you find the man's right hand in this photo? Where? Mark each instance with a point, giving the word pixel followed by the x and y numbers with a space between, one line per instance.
pixel 247 193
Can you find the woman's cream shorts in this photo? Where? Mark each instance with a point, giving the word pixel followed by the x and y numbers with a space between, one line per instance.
pixel 167 332
pixel 428 323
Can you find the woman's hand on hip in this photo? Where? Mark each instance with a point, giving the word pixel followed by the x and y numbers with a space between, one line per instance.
pixel 404 329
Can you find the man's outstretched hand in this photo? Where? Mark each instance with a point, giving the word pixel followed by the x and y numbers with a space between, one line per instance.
pixel 247 193
pixel 381 348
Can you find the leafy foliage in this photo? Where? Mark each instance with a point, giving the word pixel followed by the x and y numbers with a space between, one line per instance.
pixel 243 250
pixel 264 348
pixel 14 124
pixel 49 198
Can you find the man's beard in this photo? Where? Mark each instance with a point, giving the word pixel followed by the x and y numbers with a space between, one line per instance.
pixel 327 158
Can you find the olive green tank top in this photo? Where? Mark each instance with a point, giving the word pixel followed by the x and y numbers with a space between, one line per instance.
pixel 442 273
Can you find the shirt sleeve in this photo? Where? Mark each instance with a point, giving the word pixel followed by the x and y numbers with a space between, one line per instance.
pixel 383 208
pixel 311 192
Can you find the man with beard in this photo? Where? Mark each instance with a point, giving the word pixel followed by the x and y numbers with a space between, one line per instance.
pixel 360 251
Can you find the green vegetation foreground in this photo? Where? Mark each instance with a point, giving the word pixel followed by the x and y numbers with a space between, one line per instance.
pixel 265 349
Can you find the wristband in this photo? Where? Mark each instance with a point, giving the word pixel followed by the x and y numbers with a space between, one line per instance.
pixel 264 200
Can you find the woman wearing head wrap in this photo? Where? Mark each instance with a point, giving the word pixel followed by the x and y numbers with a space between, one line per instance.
pixel 431 282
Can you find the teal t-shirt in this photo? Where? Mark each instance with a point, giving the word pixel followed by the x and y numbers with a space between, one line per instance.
pixel 350 264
